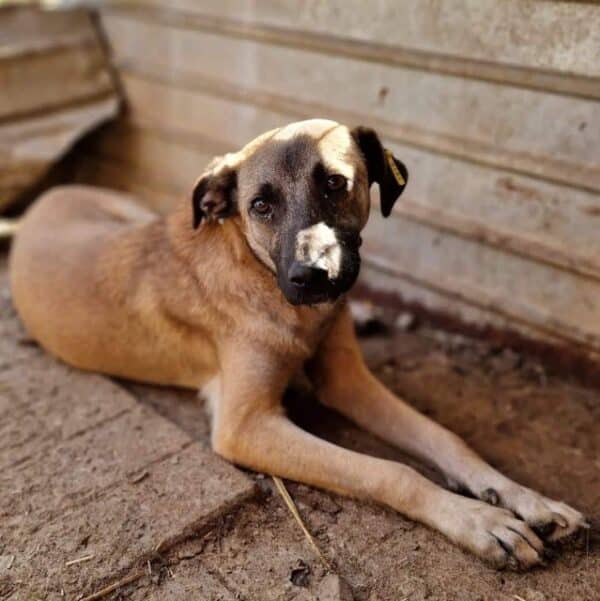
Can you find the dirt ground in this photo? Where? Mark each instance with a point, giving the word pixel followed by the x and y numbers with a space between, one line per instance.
pixel 541 430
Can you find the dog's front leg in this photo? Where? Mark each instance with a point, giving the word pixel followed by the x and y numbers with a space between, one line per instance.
pixel 250 429
pixel 344 382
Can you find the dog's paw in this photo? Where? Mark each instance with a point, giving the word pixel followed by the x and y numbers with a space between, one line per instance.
pixel 496 535
pixel 551 519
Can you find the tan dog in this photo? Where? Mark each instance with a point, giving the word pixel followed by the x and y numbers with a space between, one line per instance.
pixel 241 288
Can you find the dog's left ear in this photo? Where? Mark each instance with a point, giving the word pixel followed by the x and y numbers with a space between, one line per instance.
pixel 382 166
pixel 214 196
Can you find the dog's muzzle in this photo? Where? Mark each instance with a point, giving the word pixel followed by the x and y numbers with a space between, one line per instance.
pixel 324 265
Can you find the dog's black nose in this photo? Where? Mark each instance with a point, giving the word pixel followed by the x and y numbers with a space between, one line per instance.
pixel 304 276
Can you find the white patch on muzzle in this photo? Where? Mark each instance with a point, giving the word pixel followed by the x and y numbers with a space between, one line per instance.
pixel 317 246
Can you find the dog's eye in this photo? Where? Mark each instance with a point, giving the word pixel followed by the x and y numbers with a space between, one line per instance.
pixel 261 207
pixel 336 182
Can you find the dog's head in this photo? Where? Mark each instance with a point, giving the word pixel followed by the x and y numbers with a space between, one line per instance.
pixel 302 194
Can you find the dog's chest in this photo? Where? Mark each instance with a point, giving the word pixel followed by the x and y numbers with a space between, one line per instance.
pixel 294 332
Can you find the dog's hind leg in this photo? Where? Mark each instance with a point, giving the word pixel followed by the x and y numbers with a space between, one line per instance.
pixel 250 429
pixel 345 383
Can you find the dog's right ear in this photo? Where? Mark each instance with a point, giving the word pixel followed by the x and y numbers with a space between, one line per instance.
pixel 214 196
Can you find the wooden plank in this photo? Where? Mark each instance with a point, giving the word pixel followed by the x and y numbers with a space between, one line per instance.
pixel 546 127
pixel 408 289
pixel 56 86
pixel 519 289
pixel 176 161
pixel 531 246
pixel 555 224
pixel 350 30
pixel 27 30
pixel 106 173
pixel 585 177
pixel 28 148
pixel 39 82
pixel 160 105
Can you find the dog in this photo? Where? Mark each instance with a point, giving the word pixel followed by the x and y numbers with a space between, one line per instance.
pixel 236 291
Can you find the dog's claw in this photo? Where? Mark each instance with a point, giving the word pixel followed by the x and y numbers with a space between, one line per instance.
pixel 562 522
pixel 490 495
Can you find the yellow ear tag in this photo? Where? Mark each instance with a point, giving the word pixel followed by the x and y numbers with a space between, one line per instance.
pixel 390 159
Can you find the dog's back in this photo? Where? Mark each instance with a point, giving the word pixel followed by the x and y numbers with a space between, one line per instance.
pixel 53 260
pixel 72 292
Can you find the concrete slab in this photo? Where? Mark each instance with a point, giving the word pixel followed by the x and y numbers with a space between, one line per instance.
pixel 93 482
pixel 126 525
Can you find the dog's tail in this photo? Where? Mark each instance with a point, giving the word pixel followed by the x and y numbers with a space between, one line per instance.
pixel 8 227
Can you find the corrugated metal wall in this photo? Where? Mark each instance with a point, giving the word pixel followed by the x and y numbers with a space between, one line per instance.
pixel 493 106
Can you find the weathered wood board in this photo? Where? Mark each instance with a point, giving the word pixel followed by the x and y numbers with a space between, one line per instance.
pixel 55 84
pixel 539 35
